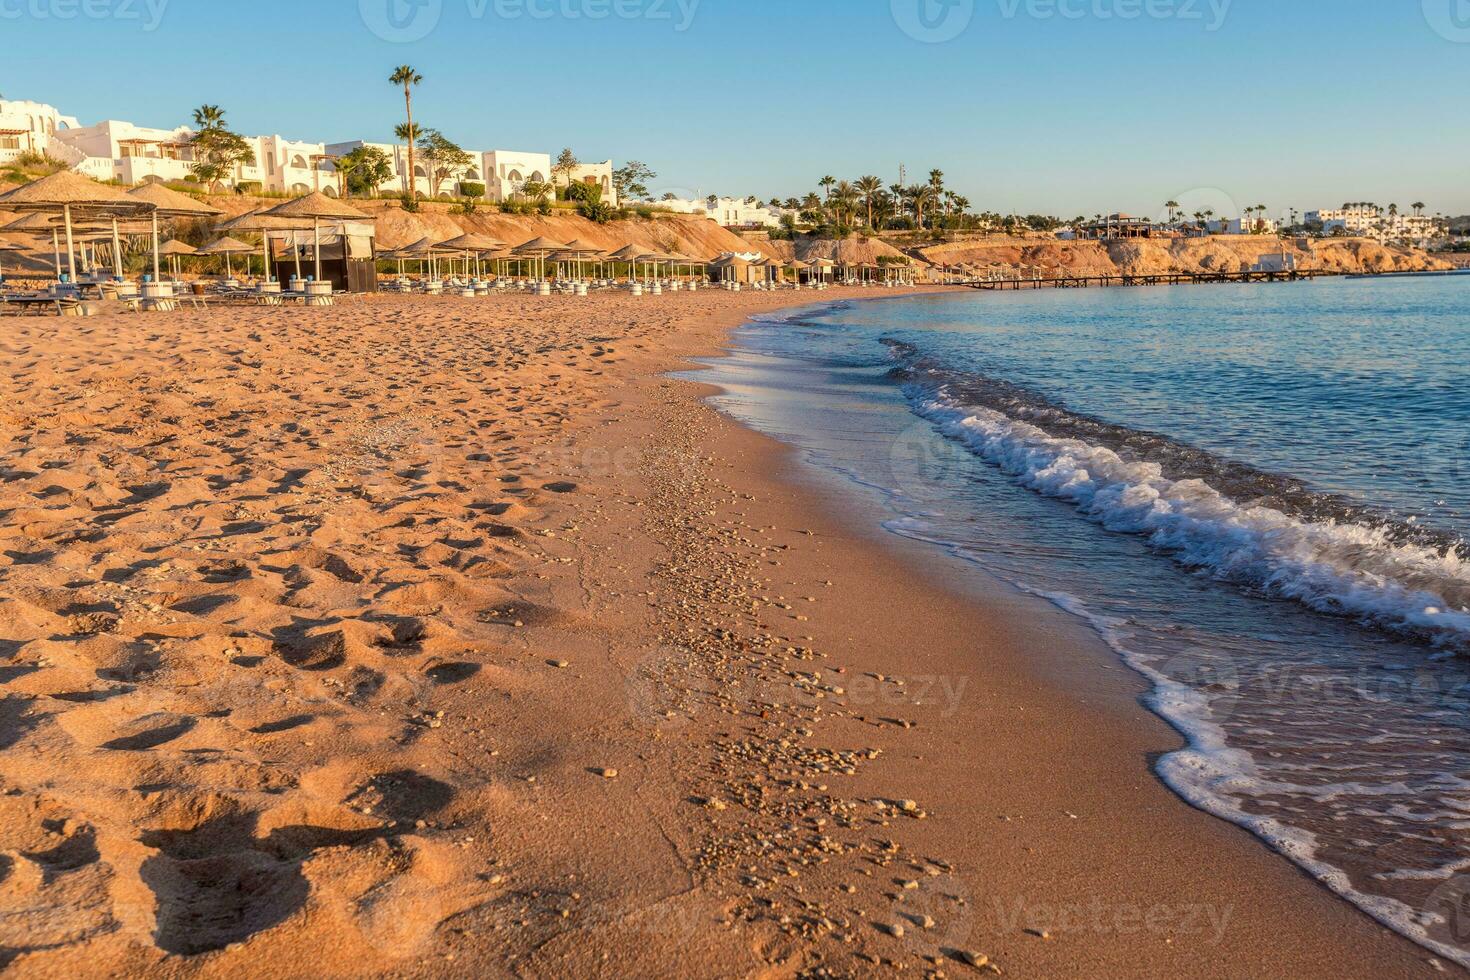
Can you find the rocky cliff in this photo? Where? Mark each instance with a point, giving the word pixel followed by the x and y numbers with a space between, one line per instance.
pixel 1217 253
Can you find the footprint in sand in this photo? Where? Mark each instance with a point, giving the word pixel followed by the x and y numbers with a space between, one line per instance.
pixel 452 673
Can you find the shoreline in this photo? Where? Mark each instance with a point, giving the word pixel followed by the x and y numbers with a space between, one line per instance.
pixel 1078 681
pixel 420 637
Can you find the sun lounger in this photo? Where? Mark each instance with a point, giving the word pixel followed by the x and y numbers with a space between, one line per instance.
pixel 42 304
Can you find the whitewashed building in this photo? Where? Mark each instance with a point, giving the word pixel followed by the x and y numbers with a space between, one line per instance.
pixel 599 175
pixel 731 212
pixel 29 127
pixel 1378 224
pixel 1243 226
pixel 508 171
pixel 131 154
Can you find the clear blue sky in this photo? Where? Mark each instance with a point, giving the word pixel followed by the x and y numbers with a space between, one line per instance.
pixel 1063 106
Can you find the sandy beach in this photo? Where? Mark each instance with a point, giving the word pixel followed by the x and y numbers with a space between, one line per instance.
pixel 452 637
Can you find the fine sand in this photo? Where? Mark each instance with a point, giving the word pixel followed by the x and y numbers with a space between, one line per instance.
pixel 447 637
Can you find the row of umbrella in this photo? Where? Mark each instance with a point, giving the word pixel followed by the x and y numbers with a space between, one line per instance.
pixel 537 251
pixel 69 203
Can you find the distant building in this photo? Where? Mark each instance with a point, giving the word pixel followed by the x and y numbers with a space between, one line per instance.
pixel 116 150
pixel 1115 227
pixel 132 154
pixel 731 212
pixel 599 175
pixel 1368 222
pixel 1242 226
pixel 507 172
pixel 29 127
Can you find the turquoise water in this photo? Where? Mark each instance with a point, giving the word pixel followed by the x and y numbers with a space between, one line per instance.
pixel 1255 494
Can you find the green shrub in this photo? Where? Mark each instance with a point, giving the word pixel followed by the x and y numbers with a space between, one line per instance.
pixel 472 189
pixel 248 186
pixel 599 211
pixel 584 193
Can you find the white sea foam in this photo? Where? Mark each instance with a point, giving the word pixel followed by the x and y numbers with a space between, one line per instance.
pixel 1340 568
pixel 1332 567
pixel 1215 778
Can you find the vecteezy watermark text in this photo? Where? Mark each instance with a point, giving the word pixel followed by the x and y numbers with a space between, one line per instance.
pixel 406 21
pixel 148 14
pixel 1099 917
pixel 1211 13
pixel 1450 19
pixel 937 21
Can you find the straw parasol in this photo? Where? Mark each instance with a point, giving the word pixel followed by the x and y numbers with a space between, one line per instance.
pixel 629 253
pixel 579 249
pixel 170 204
pixel 258 220
pixel 538 248
pixel 39 224
pixel 69 193
pixel 9 247
pixel 226 246
pixel 769 264
pixel 471 243
pixel 423 250
pixel 174 248
pixel 318 206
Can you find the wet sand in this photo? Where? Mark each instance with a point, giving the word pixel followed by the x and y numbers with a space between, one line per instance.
pixel 421 637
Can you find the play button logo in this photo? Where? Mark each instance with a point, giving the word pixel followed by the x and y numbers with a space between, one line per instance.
pixel 401 21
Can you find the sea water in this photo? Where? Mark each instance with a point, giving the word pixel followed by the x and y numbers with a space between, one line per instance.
pixel 1259 497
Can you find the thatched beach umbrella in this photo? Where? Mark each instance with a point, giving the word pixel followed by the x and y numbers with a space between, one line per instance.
pixel 227 246
pixel 70 194
pixel 772 267
pixel 8 247
pixel 174 248
pixel 318 206
pixel 629 253
pixel 169 204
pixel 40 224
pixel 423 250
pixel 499 258
pixel 578 250
pixel 259 221
pixel 539 248
pixel 471 245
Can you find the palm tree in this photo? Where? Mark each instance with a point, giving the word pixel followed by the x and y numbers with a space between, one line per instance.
pixel 845 198
pixel 920 194
pixel 884 208
pixel 1418 207
pixel 870 187
pixel 936 182
pixel 1173 206
pixel 826 183
pixel 209 117
pixel 408 78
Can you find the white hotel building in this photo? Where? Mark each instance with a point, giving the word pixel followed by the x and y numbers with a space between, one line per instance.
pixel 131 154
pixel 1375 223
pixel 731 212
pixel 29 127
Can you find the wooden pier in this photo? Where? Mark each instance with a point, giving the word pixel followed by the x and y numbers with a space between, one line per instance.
pixel 1164 279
